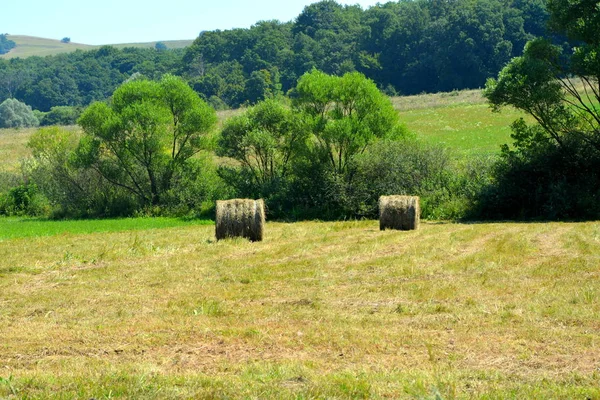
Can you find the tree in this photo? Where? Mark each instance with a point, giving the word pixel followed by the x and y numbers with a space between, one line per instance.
pixel 146 136
pixel 6 44
pixel 345 114
pixel 552 171
pixel 65 40
pixel 160 46
pixel 14 114
pixel 265 140
pixel 11 80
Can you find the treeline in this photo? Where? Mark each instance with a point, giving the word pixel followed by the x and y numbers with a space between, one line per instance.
pixel 81 77
pixel 406 47
pixel 327 153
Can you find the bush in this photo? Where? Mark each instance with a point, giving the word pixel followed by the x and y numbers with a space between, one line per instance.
pixel 548 182
pixel 14 114
pixel 24 199
pixel 407 168
pixel 61 115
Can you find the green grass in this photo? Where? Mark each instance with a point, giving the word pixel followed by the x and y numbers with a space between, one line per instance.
pixel 11 228
pixel 317 310
pixel 460 121
pixel 28 46
pixel 13 147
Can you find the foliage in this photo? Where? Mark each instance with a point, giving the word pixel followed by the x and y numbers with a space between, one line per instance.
pixel 15 114
pixel 65 40
pixel 24 199
pixel 80 77
pixel 160 46
pixel 345 114
pixel 6 44
pixel 554 161
pixel 70 190
pixel 61 115
pixel 405 47
pixel 265 140
pixel 143 140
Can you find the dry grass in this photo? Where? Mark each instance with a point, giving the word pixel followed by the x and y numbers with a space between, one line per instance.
pixel 13 147
pixel 316 310
pixel 435 100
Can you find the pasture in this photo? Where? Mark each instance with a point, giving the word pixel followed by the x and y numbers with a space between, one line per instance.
pixel 316 310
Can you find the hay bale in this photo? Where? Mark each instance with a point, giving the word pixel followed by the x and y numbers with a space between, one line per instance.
pixel 240 218
pixel 399 212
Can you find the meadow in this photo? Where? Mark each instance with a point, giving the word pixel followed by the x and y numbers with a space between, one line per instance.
pixel 317 310
pixel 156 308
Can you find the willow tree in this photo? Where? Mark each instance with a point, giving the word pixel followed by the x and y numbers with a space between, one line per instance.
pixel 145 136
pixel 345 114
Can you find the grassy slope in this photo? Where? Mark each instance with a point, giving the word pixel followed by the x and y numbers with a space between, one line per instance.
pixel 28 46
pixel 317 310
pixel 461 121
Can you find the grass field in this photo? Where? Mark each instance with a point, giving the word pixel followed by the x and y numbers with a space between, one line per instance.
pixel 317 310
pixel 461 121
pixel 155 308
pixel 28 46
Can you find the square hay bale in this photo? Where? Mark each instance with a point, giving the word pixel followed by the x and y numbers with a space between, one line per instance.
pixel 240 218
pixel 399 212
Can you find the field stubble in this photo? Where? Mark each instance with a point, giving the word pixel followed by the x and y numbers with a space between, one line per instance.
pixel 316 310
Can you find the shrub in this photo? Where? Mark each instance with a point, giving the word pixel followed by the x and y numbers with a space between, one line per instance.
pixel 24 199
pixel 14 114
pixel 61 115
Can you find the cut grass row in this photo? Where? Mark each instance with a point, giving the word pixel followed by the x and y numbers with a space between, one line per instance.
pixel 317 310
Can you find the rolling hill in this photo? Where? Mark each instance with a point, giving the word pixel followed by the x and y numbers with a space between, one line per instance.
pixel 28 46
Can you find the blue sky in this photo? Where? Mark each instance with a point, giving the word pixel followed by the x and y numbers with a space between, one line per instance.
pixel 123 21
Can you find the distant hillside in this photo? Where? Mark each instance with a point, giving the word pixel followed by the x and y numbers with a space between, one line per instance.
pixel 28 46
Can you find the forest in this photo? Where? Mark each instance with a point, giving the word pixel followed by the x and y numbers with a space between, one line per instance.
pixel 406 47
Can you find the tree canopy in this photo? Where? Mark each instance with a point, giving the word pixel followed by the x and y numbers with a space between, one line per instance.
pixel 405 46
pixel 146 135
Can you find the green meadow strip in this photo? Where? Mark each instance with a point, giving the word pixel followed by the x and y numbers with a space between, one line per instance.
pixel 14 228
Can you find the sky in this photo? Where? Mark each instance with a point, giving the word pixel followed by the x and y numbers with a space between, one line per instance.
pixel 123 21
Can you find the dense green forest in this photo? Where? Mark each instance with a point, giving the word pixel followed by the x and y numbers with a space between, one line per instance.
pixel 406 47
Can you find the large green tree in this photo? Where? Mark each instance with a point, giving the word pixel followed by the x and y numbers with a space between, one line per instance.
pixel 345 114
pixel 552 171
pixel 146 135
pixel 265 140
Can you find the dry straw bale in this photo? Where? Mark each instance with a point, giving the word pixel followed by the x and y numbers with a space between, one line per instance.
pixel 240 218
pixel 399 212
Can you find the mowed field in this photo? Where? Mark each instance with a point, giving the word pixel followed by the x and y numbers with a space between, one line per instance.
pixel 317 310
pixel 155 308
pixel 28 46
